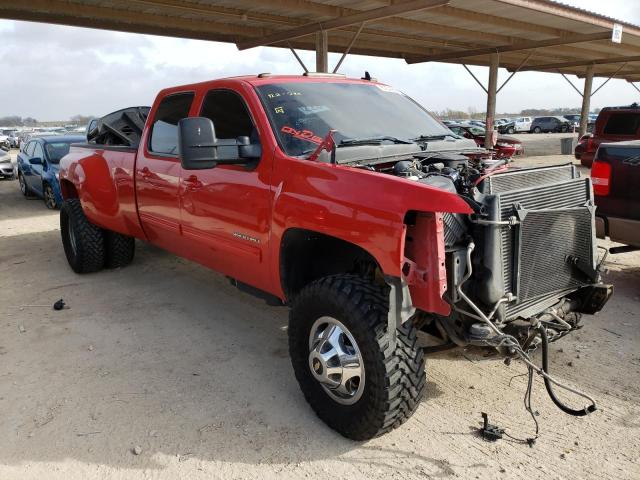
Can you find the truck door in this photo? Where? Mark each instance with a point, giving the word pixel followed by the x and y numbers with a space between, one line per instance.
pixel 158 173
pixel 226 210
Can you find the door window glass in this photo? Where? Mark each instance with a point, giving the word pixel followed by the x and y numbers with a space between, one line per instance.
pixel 164 130
pixel 38 152
pixel 229 114
pixel 29 148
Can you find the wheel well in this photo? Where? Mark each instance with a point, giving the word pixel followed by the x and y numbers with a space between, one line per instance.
pixel 68 189
pixel 306 256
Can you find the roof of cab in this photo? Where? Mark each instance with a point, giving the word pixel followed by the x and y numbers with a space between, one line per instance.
pixel 267 78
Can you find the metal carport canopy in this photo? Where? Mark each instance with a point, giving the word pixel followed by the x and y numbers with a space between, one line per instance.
pixel 514 34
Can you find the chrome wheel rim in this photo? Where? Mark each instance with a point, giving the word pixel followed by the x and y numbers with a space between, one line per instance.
pixel 23 186
pixel 72 237
pixel 49 199
pixel 335 360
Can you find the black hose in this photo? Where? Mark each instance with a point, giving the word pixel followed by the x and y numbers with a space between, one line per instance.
pixel 547 383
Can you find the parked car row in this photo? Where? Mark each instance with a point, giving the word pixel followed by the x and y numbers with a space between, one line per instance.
pixel 546 124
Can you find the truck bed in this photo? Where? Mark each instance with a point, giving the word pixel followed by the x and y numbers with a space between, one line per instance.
pixel 122 127
pixel 109 173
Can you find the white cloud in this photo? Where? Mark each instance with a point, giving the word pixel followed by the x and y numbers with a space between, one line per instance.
pixel 53 72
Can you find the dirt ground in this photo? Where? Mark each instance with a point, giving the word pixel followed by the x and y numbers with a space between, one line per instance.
pixel 541 144
pixel 167 356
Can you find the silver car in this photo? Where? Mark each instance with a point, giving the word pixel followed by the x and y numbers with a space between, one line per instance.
pixel 7 169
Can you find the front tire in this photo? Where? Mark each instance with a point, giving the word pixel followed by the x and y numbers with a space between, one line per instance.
pixel 537 130
pixel 49 197
pixel 83 242
pixel 511 130
pixel 337 331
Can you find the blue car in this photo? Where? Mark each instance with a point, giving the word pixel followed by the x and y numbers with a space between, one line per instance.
pixel 38 167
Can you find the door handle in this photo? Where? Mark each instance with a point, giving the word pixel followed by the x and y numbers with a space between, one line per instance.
pixel 145 172
pixel 192 182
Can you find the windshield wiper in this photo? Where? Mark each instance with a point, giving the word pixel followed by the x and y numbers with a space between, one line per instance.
pixel 348 142
pixel 426 138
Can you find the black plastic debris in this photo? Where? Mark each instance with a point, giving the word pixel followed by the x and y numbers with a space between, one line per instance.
pixel 59 305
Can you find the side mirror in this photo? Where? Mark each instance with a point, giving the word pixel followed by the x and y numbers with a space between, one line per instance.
pixel 200 149
pixel 35 161
pixel 248 150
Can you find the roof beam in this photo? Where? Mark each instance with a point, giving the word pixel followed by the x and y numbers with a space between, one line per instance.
pixel 494 20
pixel 571 13
pixel 567 40
pixel 345 21
pixel 580 63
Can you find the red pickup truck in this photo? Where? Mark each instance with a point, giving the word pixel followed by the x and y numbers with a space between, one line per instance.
pixel 614 124
pixel 346 200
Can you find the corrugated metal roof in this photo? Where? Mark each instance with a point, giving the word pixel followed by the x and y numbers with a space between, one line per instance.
pixel 454 29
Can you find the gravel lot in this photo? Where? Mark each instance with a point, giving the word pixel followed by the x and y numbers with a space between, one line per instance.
pixel 167 356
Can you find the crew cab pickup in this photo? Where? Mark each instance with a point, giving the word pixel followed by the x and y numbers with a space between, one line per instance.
pixel 616 183
pixel 614 124
pixel 349 202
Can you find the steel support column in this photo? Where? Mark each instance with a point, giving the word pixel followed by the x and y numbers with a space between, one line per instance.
pixel 492 91
pixel 586 101
pixel 322 51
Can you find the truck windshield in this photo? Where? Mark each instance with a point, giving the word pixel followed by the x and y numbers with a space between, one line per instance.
pixel 301 115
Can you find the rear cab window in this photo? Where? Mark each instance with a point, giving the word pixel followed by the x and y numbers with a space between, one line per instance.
pixel 163 138
pixel 623 123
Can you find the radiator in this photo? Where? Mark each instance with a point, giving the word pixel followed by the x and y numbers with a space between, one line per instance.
pixel 556 223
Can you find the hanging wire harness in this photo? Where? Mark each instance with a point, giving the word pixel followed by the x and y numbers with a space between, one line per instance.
pixel 503 340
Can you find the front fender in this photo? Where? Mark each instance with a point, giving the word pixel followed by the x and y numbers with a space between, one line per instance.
pixel 367 209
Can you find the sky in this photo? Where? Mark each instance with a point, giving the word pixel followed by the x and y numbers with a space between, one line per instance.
pixel 52 72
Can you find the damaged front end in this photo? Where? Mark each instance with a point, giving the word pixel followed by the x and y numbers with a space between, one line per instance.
pixel 517 274
pixel 527 257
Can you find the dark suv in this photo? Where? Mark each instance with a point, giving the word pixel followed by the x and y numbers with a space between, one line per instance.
pixel 614 124
pixel 550 124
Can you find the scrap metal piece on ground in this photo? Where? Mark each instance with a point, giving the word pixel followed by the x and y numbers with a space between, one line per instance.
pixel 490 432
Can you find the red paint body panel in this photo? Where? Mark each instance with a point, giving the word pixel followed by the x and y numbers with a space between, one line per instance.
pixel 425 264
pixel 104 181
pixel 233 220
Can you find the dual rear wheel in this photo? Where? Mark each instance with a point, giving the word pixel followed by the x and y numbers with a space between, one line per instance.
pixel 89 248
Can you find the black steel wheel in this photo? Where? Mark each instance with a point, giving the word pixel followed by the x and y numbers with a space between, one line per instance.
pixel 83 241
pixel 357 378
